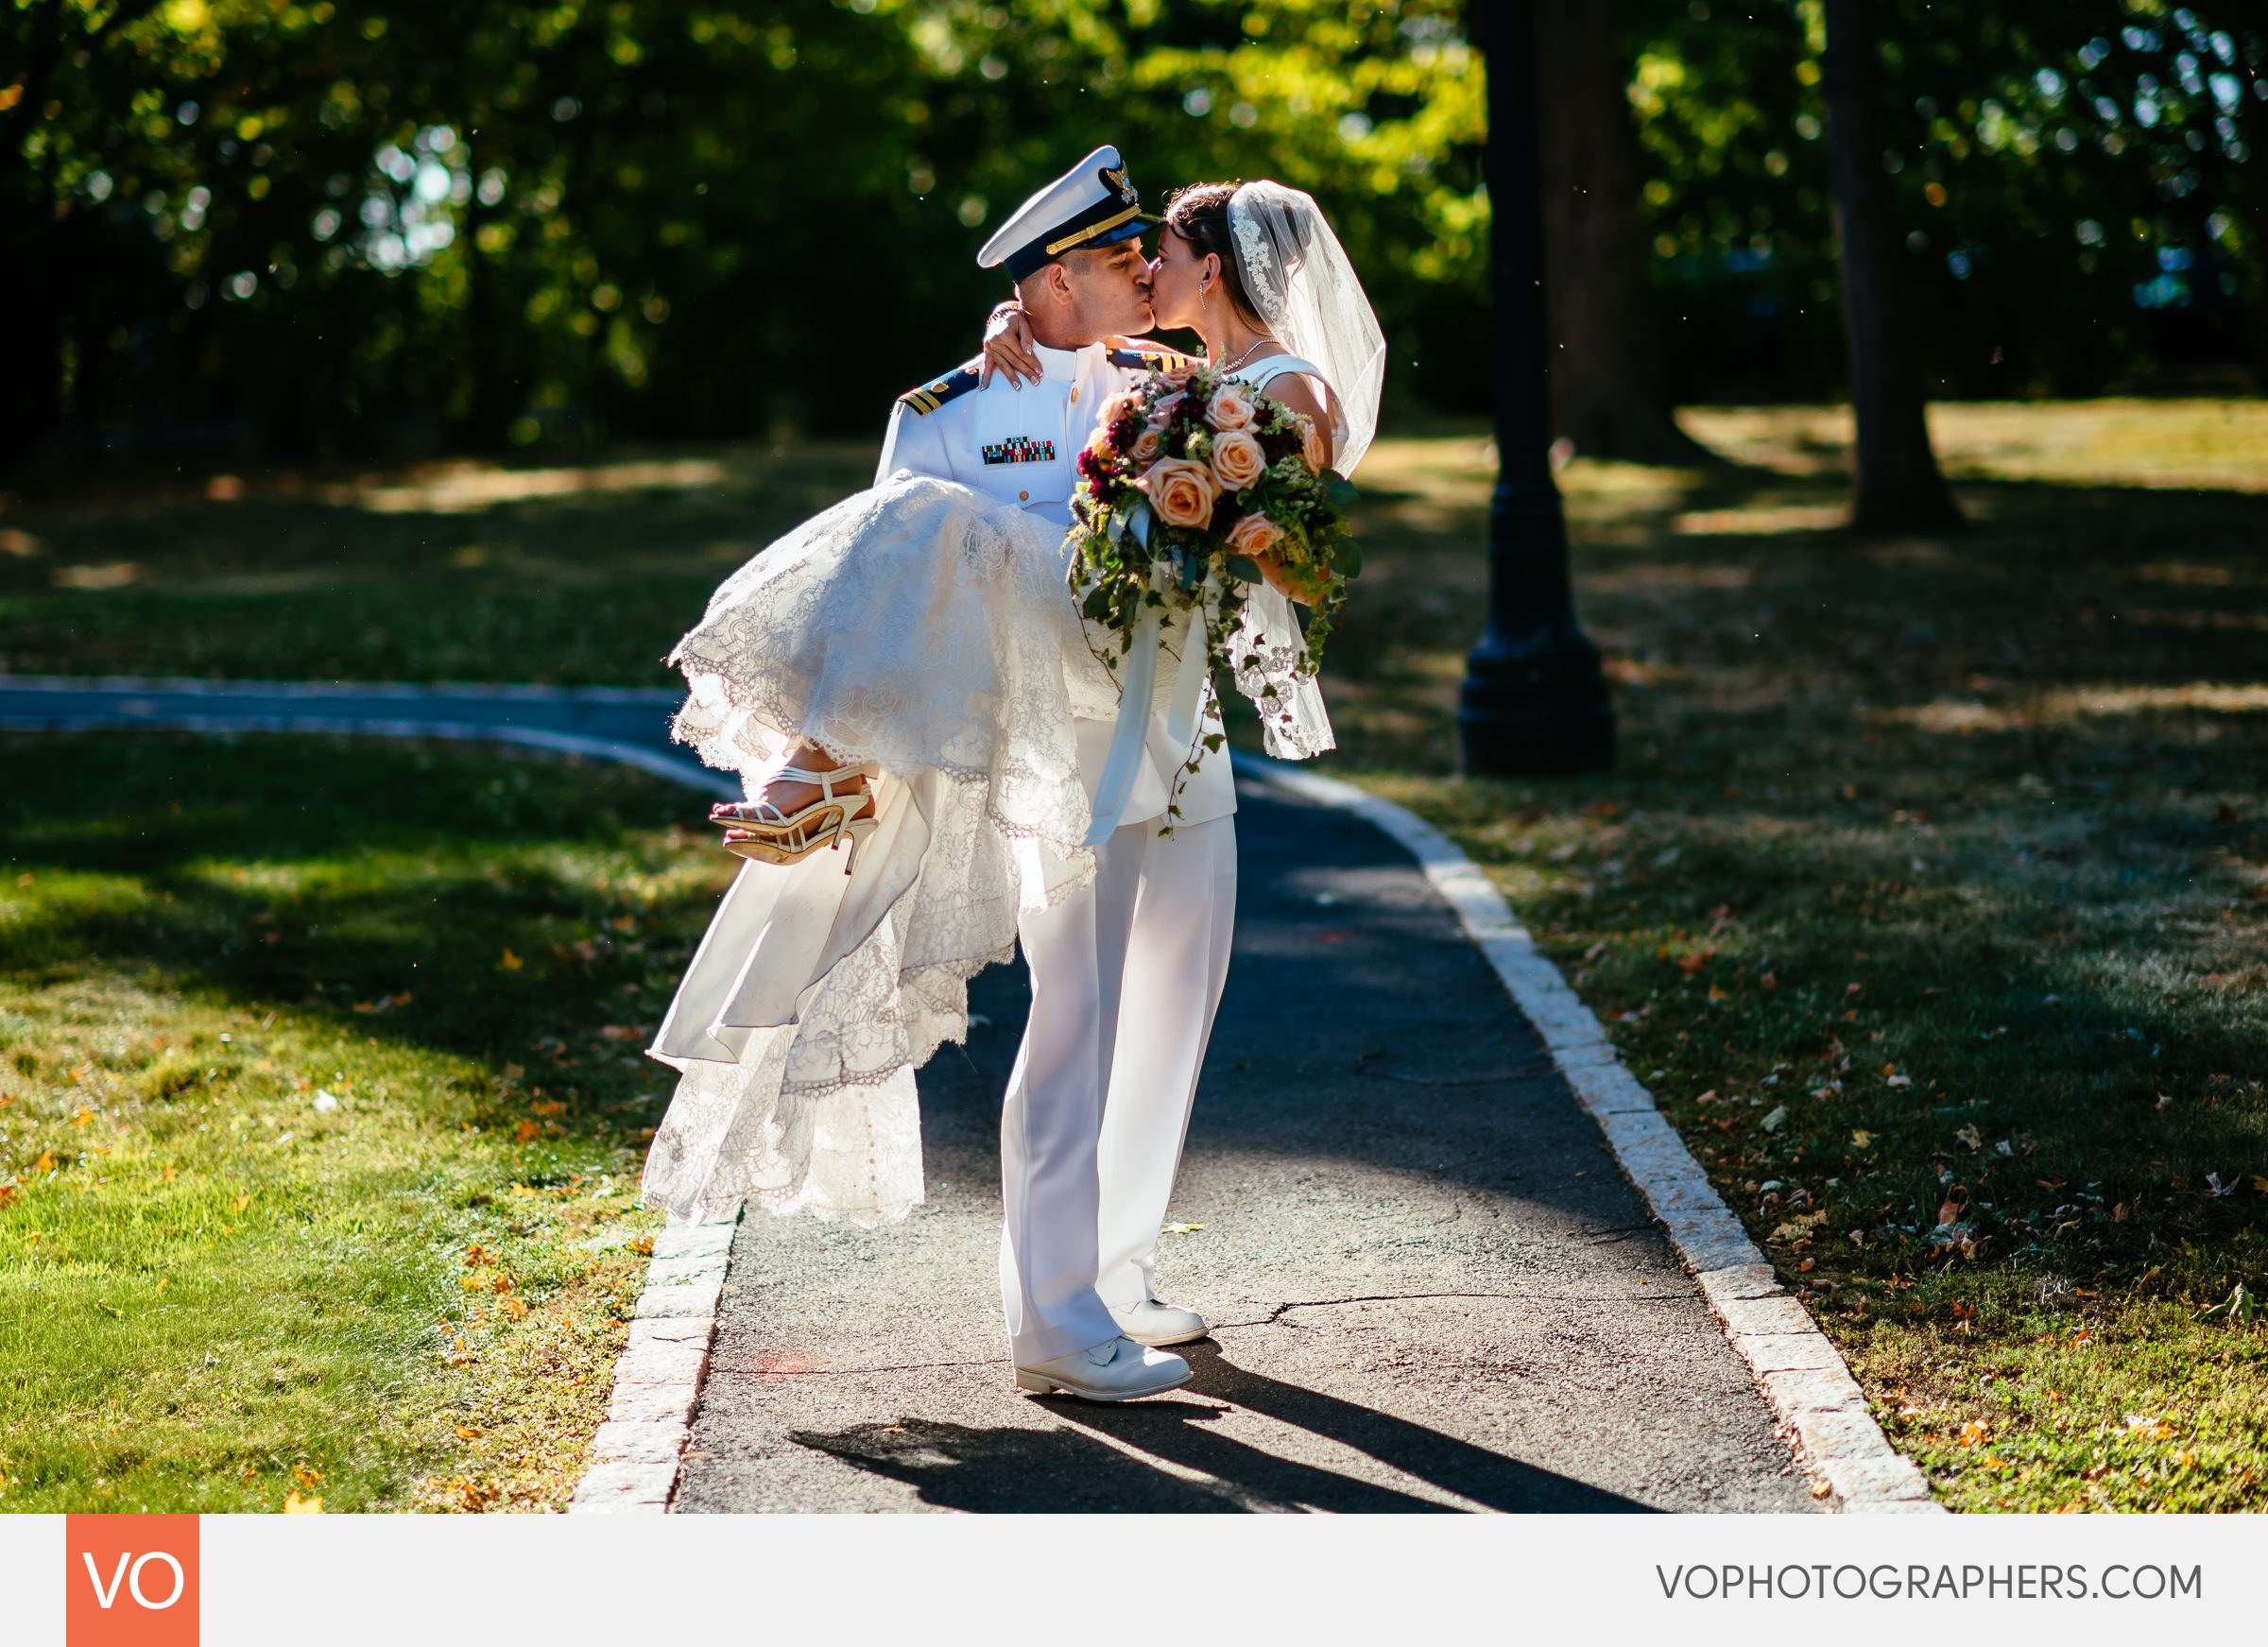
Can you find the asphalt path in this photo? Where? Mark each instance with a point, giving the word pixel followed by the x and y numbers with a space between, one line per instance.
pixel 1432 1287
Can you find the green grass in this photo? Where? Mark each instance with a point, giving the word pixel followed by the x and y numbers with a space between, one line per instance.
pixel 2008 782
pixel 452 574
pixel 1927 898
pixel 217 1288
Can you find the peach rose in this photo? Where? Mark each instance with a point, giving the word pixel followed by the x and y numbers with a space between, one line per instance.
pixel 1147 444
pixel 1237 459
pixel 1231 406
pixel 1181 491
pixel 1118 406
pixel 1312 445
pixel 1254 535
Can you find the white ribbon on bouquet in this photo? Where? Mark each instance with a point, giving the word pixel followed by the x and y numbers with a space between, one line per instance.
pixel 1146 657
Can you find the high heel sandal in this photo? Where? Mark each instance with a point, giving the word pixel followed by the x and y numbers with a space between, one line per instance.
pixel 773 836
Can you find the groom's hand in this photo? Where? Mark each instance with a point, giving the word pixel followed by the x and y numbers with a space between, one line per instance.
pixel 1008 346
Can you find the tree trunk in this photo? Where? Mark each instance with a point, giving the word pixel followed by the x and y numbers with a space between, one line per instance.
pixel 2250 77
pixel 1609 394
pixel 1896 487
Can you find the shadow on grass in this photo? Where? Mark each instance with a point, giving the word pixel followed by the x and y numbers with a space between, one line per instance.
pixel 588 587
pixel 523 908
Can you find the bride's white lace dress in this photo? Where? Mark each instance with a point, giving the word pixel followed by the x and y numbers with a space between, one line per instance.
pixel 926 629
pixel 923 627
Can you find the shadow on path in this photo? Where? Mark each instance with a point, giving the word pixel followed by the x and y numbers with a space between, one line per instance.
pixel 1189 1466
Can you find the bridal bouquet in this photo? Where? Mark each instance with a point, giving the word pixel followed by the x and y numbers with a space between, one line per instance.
pixel 1185 487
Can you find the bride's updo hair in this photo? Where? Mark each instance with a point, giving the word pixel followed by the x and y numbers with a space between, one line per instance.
pixel 1199 215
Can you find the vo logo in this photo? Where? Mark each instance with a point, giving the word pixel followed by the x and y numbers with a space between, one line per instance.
pixel 131 1579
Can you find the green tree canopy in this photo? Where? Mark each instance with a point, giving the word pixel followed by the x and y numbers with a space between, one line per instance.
pixel 325 224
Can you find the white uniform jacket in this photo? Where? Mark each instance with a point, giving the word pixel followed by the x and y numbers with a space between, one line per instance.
pixel 1019 445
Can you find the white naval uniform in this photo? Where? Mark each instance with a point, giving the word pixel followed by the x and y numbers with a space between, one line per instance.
pixel 1127 973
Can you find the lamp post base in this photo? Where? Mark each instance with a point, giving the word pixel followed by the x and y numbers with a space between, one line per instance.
pixel 1540 715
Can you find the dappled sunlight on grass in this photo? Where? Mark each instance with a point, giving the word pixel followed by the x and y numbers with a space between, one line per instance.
pixel 2201 443
pixel 322 1115
pixel 467 572
pixel 1930 899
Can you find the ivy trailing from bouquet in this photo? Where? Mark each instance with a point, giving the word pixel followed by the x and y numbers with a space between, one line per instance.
pixel 1191 491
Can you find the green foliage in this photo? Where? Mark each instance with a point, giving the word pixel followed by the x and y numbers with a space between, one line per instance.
pixel 403 223
pixel 414 220
pixel 2072 179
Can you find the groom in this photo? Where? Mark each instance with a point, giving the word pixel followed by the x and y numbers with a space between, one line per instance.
pixel 1126 972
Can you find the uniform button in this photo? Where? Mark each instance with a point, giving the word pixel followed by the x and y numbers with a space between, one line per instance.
pixel 1074 396
pixel 1023 497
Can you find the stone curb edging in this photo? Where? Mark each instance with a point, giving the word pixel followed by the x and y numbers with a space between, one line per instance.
pixel 658 1377
pixel 1796 1365
pixel 202 706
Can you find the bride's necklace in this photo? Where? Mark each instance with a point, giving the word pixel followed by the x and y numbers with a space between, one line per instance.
pixel 1248 353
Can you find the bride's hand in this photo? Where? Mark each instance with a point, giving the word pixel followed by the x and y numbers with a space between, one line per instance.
pixel 1008 346
pixel 1283 580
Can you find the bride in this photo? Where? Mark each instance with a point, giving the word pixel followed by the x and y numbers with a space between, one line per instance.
pixel 903 672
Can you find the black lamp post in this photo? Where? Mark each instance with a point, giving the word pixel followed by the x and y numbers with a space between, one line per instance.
pixel 1533 700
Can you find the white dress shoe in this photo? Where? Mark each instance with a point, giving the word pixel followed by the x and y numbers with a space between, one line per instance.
pixel 1117 1370
pixel 1152 1323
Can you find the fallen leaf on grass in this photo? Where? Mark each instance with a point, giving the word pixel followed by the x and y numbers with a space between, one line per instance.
pixel 1776 1119
pixel 1797 1228
pixel 1974 1433
pixel 642 1247
pixel 525 1131
pixel 1861 1138
pixel 1971 1136
pixel 240 1203
pixel 2148 1429
pixel 466 1432
pixel 296 1505
pixel 1715 993
pixel 514 1309
pixel 510 963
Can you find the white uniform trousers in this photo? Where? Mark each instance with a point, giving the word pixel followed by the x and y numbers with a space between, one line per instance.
pixel 1127 974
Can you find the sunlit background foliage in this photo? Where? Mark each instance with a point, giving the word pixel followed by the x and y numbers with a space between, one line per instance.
pixel 397 224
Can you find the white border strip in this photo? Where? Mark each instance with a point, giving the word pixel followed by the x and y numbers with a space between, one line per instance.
pixel 634 1458
pixel 156 717
pixel 199 686
pixel 1798 1366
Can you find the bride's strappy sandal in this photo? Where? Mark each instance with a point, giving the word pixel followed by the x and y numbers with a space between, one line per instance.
pixel 773 836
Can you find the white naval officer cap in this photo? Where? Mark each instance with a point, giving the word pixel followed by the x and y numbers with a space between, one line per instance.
pixel 1091 205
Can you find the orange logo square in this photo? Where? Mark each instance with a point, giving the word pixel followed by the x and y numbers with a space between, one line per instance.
pixel 130 1580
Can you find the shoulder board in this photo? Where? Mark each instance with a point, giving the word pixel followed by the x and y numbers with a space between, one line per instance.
pixel 928 397
pixel 1153 360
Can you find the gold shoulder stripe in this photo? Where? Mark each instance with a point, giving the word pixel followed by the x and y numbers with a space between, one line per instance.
pixel 1092 229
